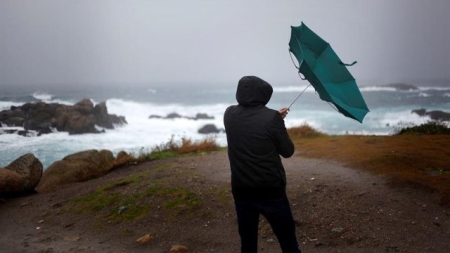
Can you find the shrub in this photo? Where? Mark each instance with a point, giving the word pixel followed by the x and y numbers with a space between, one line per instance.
pixel 185 146
pixel 431 127
pixel 304 130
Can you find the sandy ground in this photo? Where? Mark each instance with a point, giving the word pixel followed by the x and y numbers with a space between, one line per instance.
pixel 337 209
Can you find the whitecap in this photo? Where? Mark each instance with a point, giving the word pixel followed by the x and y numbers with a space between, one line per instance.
pixel 42 96
pixel 424 95
pixel 376 88
pixel 299 88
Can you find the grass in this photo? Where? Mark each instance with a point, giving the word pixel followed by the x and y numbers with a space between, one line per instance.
pixel 185 146
pixel 409 158
pixel 418 160
pixel 134 197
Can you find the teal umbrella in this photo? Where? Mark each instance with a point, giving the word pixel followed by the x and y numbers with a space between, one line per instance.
pixel 321 66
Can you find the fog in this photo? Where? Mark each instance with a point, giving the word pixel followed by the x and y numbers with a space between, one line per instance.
pixel 108 42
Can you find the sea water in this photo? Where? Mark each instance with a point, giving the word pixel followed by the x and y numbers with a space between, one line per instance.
pixel 389 109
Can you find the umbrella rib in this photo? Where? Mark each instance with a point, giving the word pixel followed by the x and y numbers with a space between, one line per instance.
pixel 292 59
pixel 300 64
pixel 298 96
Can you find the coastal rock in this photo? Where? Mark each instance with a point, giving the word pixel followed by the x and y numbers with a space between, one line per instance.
pixel 30 168
pixel 45 118
pixel 10 182
pixel 203 116
pixel 209 129
pixel 401 86
pixel 123 158
pixel 107 120
pixel 434 115
pixel 175 115
pixel 77 167
pixel 21 176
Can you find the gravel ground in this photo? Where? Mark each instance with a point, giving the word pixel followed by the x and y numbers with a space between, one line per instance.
pixel 337 209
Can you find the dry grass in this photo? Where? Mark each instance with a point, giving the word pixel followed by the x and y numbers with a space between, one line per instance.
pixel 421 161
pixel 415 160
pixel 184 146
pixel 205 145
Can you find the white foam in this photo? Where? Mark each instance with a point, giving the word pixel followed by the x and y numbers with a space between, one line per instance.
pixel 297 88
pixel 42 96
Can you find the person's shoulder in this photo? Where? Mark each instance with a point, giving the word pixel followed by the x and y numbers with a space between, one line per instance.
pixel 274 114
pixel 271 111
pixel 230 108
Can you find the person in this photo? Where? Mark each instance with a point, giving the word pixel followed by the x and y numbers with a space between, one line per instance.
pixel 256 137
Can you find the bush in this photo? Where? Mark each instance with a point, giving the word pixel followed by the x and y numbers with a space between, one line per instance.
pixel 185 146
pixel 432 127
pixel 304 130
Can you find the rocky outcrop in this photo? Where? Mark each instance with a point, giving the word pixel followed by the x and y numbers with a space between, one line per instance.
pixel 77 167
pixel 175 115
pixel 401 86
pixel 434 115
pixel 21 176
pixel 209 129
pixel 83 117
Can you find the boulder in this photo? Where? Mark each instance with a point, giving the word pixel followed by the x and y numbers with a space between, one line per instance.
pixel 175 115
pixel 77 167
pixel 10 182
pixel 30 168
pixel 209 129
pixel 123 158
pixel 21 176
pixel 203 116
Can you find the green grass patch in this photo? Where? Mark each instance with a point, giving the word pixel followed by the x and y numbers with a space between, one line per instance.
pixel 175 199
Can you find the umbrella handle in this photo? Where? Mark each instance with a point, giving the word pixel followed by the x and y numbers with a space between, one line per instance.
pixel 346 64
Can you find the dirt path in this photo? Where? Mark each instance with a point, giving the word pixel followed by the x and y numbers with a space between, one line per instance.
pixel 337 209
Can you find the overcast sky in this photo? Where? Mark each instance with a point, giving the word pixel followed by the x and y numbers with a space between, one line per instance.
pixel 216 41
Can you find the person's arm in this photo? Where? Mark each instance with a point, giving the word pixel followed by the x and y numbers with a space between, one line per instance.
pixel 283 142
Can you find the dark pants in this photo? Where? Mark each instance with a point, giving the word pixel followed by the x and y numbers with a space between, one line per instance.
pixel 277 212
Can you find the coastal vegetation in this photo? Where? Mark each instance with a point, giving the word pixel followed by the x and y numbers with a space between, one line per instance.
pixel 414 156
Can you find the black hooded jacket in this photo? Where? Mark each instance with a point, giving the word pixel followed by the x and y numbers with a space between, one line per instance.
pixel 256 138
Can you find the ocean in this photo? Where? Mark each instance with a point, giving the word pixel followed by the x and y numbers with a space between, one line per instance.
pixel 389 109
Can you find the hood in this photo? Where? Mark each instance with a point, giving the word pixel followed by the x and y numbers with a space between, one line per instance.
pixel 253 91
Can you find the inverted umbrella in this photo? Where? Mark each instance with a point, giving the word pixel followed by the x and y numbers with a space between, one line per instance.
pixel 329 76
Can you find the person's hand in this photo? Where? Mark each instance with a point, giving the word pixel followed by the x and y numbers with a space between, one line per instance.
pixel 283 111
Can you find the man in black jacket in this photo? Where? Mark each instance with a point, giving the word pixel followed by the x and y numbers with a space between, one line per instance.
pixel 256 138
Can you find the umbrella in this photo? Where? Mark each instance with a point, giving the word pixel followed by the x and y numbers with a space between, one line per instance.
pixel 330 77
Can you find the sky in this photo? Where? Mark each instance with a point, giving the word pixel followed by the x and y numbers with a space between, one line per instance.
pixel 107 42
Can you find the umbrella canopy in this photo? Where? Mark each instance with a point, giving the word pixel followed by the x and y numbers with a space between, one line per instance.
pixel 321 66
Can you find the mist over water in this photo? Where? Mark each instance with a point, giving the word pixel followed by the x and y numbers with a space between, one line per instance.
pixel 388 109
